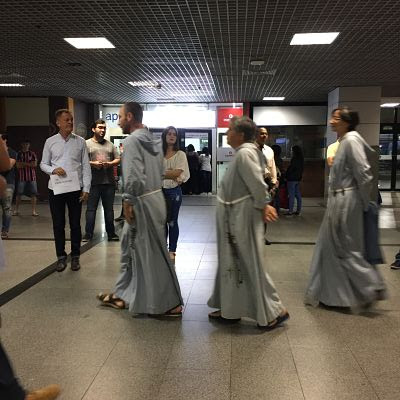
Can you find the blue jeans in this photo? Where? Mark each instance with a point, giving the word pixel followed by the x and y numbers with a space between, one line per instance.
pixel 6 206
pixel 107 193
pixel 174 200
pixel 294 191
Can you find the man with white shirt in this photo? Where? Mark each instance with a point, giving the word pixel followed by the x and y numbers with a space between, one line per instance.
pixel 64 154
pixel 270 175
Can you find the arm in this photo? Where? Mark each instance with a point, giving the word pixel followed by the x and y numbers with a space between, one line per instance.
pixel 33 163
pixel 251 173
pixel 133 171
pixel 45 164
pixel 5 163
pixel 272 168
pixel 86 171
pixel 116 159
pixel 360 168
pixel 183 167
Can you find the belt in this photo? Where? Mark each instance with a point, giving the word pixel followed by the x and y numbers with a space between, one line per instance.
pixel 149 193
pixel 229 203
pixel 336 191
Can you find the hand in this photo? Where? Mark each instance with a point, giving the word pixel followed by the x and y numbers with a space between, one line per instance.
pixel 83 197
pixel 128 213
pixel 3 186
pixel 96 164
pixel 270 214
pixel 59 171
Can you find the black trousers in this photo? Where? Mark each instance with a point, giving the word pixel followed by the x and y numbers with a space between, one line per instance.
pixel 10 388
pixel 57 208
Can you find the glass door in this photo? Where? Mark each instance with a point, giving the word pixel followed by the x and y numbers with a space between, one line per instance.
pixel 389 157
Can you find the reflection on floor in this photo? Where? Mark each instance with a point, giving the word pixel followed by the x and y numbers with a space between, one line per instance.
pixel 55 332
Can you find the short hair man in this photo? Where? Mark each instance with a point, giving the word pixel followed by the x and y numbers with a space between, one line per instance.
pixel 64 154
pixel 26 164
pixel 270 174
pixel 147 283
pixel 6 200
pixel 103 158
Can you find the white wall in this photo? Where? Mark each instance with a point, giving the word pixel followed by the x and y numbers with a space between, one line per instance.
pixel 290 115
pixel 27 111
pixel 161 117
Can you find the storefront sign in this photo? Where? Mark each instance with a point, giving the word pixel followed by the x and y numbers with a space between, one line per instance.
pixel 225 153
pixel 225 114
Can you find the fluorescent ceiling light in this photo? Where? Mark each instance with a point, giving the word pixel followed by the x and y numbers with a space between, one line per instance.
pixel 257 62
pixel 11 84
pixel 274 98
pixel 390 104
pixel 149 84
pixel 313 38
pixel 90 43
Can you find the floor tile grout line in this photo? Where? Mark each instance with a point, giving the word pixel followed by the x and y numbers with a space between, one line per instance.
pixel 362 369
pixel 230 369
pixel 37 277
pixel 294 363
pixel 101 367
pixel 162 380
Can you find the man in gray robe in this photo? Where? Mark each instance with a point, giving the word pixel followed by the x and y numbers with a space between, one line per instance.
pixel 340 275
pixel 147 283
pixel 242 287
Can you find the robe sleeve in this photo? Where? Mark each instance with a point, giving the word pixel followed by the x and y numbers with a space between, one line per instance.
pixel 133 171
pixel 251 173
pixel 361 169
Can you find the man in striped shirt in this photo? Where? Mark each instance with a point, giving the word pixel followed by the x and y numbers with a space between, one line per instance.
pixel 26 164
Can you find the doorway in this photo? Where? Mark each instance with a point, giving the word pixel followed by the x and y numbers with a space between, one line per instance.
pixel 389 157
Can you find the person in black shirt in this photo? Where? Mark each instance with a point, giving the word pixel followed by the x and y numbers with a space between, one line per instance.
pixel 294 174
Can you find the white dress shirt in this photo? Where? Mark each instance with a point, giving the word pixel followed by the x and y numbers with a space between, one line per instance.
pixel 70 154
pixel 270 170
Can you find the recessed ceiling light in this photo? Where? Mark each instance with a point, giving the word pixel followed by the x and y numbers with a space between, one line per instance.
pixel 149 84
pixel 273 98
pixel 390 104
pixel 313 38
pixel 257 62
pixel 90 43
pixel 11 84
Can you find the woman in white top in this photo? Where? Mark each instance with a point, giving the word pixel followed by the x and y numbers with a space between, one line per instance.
pixel 176 173
pixel 205 171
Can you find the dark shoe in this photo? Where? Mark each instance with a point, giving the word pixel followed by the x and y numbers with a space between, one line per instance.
pixel 267 242
pixel 289 214
pixel 61 264
pixel 297 213
pixel 217 315
pixel 395 265
pixel 113 238
pixel 86 238
pixel 47 393
pixel 120 218
pixel 75 266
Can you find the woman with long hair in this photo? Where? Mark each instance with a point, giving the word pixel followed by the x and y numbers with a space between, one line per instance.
pixel 294 173
pixel 176 173
pixel 340 275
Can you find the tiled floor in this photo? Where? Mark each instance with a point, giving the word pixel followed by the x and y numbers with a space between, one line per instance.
pixel 57 332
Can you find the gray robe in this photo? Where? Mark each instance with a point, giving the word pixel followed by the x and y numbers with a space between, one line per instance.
pixel 147 281
pixel 242 287
pixel 340 275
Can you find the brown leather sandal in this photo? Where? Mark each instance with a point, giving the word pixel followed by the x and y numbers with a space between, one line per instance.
pixel 110 300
